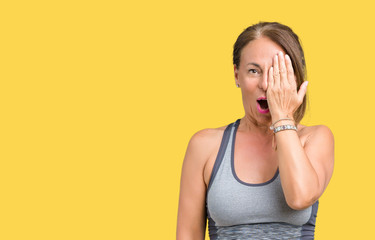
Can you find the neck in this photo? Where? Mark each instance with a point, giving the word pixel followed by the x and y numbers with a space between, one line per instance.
pixel 260 129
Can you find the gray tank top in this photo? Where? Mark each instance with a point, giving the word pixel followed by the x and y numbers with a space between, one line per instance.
pixel 240 210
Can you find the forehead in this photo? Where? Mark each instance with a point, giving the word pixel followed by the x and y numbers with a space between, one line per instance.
pixel 260 51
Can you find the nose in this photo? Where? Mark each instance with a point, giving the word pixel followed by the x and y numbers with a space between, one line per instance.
pixel 263 81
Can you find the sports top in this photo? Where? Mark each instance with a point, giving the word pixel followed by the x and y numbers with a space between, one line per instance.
pixel 240 210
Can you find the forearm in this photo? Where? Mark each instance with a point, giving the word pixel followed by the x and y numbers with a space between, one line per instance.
pixel 299 180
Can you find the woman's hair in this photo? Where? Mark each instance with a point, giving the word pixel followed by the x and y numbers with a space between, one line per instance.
pixel 287 40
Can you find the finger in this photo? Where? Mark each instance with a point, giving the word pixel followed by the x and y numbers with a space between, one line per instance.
pixel 302 91
pixel 289 69
pixel 276 73
pixel 282 68
pixel 270 78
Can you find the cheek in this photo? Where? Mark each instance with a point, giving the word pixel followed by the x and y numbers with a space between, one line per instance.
pixel 250 84
pixel 248 91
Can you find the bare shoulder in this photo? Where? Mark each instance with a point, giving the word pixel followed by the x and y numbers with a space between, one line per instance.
pixel 207 138
pixel 316 133
pixel 204 142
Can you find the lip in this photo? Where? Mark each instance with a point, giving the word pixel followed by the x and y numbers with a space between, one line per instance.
pixel 264 111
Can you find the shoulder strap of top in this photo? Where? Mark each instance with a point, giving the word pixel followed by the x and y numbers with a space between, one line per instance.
pixel 237 122
pixel 220 155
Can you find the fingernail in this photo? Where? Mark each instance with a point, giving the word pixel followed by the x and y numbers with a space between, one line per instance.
pixel 307 83
pixel 287 56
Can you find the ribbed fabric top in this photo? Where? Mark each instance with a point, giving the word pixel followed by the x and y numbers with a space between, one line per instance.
pixel 239 210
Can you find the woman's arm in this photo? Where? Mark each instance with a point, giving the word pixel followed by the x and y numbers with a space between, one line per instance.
pixel 305 171
pixel 191 220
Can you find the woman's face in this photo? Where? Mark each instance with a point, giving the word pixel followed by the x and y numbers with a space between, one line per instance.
pixel 252 75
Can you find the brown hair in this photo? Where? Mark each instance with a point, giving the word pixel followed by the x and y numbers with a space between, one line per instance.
pixel 288 41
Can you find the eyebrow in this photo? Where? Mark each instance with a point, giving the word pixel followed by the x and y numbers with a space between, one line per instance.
pixel 255 64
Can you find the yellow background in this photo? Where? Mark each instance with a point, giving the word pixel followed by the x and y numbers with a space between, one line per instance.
pixel 100 98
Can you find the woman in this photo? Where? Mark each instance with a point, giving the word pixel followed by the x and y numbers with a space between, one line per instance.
pixel 252 182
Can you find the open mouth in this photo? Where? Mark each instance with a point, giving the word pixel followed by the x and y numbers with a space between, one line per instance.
pixel 263 104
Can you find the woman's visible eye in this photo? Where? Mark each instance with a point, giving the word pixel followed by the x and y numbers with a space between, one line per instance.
pixel 253 70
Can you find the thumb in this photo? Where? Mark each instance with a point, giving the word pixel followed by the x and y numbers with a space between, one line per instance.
pixel 302 91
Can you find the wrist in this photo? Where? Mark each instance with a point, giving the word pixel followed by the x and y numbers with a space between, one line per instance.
pixel 284 127
pixel 279 115
pixel 284 122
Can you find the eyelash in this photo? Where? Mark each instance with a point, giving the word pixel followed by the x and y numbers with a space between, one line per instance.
pixel 250 70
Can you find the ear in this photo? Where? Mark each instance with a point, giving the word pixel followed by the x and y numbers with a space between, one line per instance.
pixel 235 74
